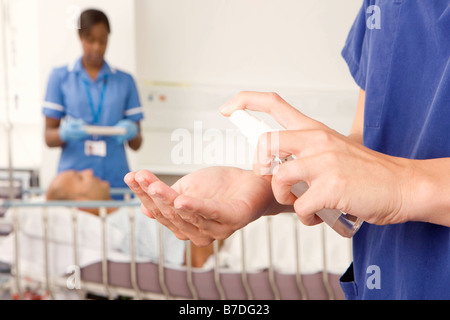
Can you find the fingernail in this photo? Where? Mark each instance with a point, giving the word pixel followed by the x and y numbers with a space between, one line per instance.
pixel 154 194
pixel 133 185
pixel 224 109
pixel 142 182
pixel 275 170
pixel 178 206
pixel 265 171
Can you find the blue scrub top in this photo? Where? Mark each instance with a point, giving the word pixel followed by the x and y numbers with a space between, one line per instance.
pixel 402 61
pixel 67 96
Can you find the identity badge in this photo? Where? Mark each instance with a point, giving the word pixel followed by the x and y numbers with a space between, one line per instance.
pixel 95 148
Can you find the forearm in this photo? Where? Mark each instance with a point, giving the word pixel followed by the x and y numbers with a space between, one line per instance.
pixel 136 142
pixel 51 133
pixel 52 138
pixel 357 130
pixel 428 198
pixel 428 195
pixel 356 137
pixel 274 206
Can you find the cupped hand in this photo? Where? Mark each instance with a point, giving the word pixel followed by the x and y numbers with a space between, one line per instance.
pixel 207 205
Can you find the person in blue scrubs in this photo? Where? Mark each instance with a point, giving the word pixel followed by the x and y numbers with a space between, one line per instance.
pixel 90 92
pixel 392 171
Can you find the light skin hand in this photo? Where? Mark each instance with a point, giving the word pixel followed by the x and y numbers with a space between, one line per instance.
pixel 205 205
pixel 341 172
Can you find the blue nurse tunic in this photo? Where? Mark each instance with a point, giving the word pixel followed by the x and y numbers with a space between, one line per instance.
pixel 113 96
pixel 402 61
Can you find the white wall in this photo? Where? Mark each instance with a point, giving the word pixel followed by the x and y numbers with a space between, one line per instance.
pixel 199 53
pixel 294 43
pixel 19 19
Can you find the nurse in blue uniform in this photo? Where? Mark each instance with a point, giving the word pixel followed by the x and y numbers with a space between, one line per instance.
pixel 90 92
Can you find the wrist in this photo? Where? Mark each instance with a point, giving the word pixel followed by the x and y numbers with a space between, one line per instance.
pixel 62 134
pixel 274 207
pixel 53 138
pixel 428 192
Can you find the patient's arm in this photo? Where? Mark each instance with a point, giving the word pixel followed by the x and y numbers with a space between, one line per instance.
pixel 205 205
pixel 199 255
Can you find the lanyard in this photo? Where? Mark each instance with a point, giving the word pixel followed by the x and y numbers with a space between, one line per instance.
pixel 96 114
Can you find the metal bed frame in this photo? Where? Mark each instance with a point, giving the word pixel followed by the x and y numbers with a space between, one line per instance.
pixel 183 283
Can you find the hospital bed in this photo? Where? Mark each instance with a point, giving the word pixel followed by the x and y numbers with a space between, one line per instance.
pixel 62 248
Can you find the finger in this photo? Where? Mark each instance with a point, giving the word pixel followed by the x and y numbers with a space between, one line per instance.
pixel 163 196
pixel 211 217
pixel 206 208
pixel 307 206
pixel 282 191
pixel 130 180
pixel 312 197
pixel 204 213
pixel 151 210
pixel 147 212
pixel 272 104
pixel 139 183
pixel 301 143
pixel 269 147
pixel 291 172
pixel 291 179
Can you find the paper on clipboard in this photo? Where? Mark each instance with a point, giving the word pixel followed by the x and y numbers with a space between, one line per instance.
pixel 104 131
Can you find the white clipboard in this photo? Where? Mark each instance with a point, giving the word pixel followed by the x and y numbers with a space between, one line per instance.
pixel 104 131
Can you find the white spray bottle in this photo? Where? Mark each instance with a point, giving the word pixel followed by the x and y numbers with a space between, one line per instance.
pixel 252 128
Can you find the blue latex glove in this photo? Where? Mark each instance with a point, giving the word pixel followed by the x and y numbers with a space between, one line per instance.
pixel 132 130
pixel 72 130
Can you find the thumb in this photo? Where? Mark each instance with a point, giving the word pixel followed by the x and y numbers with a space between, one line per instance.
pixel 307 205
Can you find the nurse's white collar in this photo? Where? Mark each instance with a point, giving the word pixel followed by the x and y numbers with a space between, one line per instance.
pixel 76 67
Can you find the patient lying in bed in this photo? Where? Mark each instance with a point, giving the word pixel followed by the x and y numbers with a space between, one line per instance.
pixel 84 186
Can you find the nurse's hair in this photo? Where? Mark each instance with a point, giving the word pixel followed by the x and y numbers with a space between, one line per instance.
pixel 91 17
